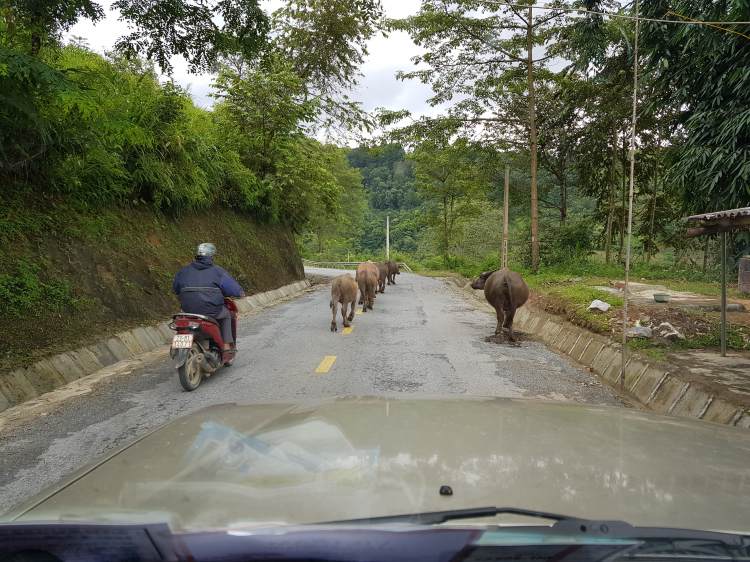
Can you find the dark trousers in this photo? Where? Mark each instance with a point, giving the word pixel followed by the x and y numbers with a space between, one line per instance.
pixel 225 325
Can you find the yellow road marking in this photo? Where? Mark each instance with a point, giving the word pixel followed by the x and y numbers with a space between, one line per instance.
pixel 348 330
pixel 326 364
pixel 359 311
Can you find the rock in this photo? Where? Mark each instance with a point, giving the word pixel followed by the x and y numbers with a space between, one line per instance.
pixel 669 332
pixel 598 306
pixel 639 332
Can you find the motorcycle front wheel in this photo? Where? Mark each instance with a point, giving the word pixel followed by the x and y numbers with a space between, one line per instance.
pixel 190 373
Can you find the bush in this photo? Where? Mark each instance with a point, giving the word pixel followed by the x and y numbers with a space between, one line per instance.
pixel 568 244
pixel 23 293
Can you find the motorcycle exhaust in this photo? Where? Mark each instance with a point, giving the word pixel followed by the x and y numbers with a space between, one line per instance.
pixel 209 361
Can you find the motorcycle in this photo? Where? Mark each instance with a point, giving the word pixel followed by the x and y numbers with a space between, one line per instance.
pixel 197 347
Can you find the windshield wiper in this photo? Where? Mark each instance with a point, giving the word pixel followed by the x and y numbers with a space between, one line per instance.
pixel 436 517
pixel 566 525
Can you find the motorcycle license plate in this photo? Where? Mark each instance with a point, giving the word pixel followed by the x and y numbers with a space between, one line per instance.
pixel 182 341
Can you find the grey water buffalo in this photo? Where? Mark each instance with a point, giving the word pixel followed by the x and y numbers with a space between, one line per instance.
pixel 343 291
pixel 383 275
pixel 367 279
pixel 506 291
pixel 393 270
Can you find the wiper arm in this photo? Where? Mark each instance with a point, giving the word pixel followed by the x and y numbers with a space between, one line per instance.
pixel 436 517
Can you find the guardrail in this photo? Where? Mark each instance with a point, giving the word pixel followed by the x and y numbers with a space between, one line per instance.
pixel 344 264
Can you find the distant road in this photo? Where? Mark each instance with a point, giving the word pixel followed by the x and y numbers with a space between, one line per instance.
pixel 331 272
pixel 422 337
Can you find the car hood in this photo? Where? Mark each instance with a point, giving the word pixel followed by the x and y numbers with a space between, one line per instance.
pixel 359 457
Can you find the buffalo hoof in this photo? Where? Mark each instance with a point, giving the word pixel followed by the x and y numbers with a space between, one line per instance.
pixel 351 317
pixel 334 328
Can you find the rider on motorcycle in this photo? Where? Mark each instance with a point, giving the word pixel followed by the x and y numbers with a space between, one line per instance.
pixel 200 287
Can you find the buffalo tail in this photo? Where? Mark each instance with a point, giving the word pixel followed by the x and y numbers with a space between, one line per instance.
pixel 334 299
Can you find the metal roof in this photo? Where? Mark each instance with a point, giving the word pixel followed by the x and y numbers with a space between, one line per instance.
pixel 730 214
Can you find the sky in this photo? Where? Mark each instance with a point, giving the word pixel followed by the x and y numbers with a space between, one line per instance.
pixel 378 88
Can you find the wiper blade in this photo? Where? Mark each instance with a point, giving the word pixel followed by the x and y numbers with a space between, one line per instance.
pixel 436 517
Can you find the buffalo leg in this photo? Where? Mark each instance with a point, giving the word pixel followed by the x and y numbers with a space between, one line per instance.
pixel 334 327
pixel 509 324
pixel 500 318
pixel 351 311
pixel 343 313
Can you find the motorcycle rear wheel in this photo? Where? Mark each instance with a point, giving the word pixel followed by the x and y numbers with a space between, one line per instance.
pixel 190 373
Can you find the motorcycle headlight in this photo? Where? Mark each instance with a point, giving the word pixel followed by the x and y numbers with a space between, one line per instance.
pixel 194 325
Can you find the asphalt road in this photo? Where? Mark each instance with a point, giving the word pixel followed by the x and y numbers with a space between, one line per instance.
pixel 421 337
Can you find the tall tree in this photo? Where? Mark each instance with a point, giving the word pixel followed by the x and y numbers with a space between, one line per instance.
pixel 492 57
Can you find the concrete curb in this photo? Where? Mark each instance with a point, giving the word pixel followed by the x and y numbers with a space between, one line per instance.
pixel 50 373
pixel 657 386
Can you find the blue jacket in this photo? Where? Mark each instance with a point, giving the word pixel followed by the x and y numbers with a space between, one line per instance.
pixel 199 287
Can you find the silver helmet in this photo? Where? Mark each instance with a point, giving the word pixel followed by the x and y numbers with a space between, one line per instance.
pixel 205 249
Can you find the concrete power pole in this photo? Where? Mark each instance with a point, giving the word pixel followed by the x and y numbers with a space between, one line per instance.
pixel 504 261
pixel 387 237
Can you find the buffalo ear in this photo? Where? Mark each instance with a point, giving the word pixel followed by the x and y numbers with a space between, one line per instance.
pixel 486 275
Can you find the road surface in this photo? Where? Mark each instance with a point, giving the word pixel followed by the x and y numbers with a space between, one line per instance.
pixel 421 337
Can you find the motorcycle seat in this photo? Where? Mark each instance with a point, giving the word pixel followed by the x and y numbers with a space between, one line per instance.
pixel 198 316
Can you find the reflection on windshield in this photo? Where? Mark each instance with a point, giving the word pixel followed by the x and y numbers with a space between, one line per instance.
pixel 290 454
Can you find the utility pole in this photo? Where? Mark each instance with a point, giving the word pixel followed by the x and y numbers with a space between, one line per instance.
pixel 504 261
pixel 630 210
pixel 387 237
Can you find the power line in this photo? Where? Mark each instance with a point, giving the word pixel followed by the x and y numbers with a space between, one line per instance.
pixel 584 11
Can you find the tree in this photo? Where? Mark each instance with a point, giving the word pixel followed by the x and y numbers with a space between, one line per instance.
pixel 493 58
pixel 41 22
pixel 345 224
pixel 703 74
pixel 325 42
pixel 447 176
pixel 161 28
pixel 199 30
pixel 262 111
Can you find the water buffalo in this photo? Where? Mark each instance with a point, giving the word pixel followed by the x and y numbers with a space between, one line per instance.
pixel 383 271
pixel 344 291
pixel 506 291
pixel 367 279
pixel 393 270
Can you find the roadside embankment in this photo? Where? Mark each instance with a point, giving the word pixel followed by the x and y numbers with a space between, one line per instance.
pixel 697 384
pixel 69 276
pixel 29 383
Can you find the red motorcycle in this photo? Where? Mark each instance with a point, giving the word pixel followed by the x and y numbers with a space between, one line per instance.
pixel 197 347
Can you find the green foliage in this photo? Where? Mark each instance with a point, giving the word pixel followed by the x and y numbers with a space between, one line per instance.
pixel 704 73
pixel 449 179
pixel 567 244
pixel 22 293
pixel 165 28
pixel 325 42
